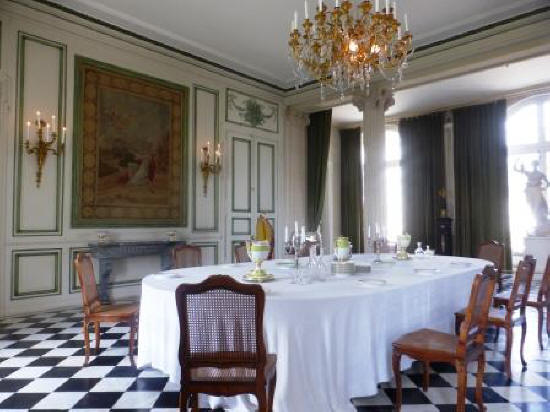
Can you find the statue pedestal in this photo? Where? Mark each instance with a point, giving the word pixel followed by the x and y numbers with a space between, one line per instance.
pixel 539 247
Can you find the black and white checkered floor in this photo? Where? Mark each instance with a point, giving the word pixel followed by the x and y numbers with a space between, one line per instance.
pixel 41 359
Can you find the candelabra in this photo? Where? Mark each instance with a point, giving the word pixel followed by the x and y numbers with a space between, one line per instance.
pixel 343 48
pixel 208 168
pixel 47 142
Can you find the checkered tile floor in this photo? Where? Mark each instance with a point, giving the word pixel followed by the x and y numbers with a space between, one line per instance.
pixel 41 360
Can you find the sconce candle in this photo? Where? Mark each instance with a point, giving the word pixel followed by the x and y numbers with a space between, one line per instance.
pixel 208 168
pixel 47 138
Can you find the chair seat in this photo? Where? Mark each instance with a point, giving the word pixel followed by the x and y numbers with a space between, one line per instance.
pixel 236 375
pixel 123 311
pixel 427 341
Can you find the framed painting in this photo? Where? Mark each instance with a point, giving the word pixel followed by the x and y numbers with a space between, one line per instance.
pixel 129 154
pixel 250 111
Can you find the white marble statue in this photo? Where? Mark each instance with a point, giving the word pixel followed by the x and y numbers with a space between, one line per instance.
pixel 535 189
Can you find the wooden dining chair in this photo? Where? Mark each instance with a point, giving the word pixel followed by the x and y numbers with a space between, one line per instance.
pixel 428 345
pixel 540 301
pixel 514 312
pixel 186 256
pixel 240 253
pixel 95 312
pixel 222 350
pixel 493 251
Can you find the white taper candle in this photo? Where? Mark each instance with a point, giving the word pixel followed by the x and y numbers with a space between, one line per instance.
pixel 377 6
pixel 387 6
pixel 320 5
pixel 295 19
pixel 406 22
pixel 306 13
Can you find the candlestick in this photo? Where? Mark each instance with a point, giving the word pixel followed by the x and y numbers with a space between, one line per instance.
pixel 296 227
pixel 303 234
pixel 28 131
pixel 286 233
pixel 406 22
pixel 63 135
pixel 306 14
pixel 399 33
pixel 54 128
pixel 47 132
pixel 38 117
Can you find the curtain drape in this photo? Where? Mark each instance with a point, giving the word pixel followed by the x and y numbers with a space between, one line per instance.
pixel 423 165
pixel 481 177
pixel 351 187
pixel 318 142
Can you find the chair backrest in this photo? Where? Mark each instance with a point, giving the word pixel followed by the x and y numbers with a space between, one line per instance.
pixel 522 284
pixel 221 325
pixel 492 251
pixel 472 329
pixel 544 290
pixel 85 270
pixel 186 256
pixel 241 255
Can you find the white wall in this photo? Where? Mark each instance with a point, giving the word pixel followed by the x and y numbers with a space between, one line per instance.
pixel 69 36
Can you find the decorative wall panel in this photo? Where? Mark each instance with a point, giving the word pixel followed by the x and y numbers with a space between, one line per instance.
pixel 241 175
pixel 41 87
pixel 36 272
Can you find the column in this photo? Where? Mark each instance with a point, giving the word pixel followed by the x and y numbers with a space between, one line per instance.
pixel 374 105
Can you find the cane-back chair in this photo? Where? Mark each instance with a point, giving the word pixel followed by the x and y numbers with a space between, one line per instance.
pixel 514 312
pixel 241 254
pixel 539 301
pixel 428 345
pixel 222 349
pixel 95 312
pixel 493 251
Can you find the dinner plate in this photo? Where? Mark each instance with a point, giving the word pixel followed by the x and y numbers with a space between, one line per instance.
pixel 372 283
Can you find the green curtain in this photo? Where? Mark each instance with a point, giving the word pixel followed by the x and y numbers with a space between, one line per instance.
pixel 318 143
pixel 423 166
pixel 481 177
pixel 351 186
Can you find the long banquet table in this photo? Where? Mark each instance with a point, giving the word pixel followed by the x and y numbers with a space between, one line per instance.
pixel 332 338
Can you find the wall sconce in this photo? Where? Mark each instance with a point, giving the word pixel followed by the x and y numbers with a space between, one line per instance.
pixel 208 168
pixel 47 138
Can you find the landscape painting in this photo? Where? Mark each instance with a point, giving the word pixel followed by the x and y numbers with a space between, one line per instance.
pixel 129 148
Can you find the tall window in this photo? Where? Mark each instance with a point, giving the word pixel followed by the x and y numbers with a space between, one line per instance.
pixel 528 139
pixel 394 186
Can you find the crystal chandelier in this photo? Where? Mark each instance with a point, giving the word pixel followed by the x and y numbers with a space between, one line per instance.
pixel 342 49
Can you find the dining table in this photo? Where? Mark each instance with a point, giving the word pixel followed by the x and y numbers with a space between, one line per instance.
pixel 332 334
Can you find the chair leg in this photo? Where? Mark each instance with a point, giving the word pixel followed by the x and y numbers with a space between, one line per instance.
pixel 131 341
pixel 262 400
pixel 396 365
pixel 479 381
pixel 271 392
pixel 461 390
pixel 184 397
pixel 426 377
pixel 195 402
pixel 86 342
pixel 458 322
pixel 97 332
pixel 540 313
pixel 508 352
pixel 523 334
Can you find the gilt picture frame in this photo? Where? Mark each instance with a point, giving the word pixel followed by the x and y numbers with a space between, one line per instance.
pixel 250 111
pixel 129 148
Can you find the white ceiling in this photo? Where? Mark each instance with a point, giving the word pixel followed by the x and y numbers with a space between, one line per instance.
pixel 467 89
pixel 251 35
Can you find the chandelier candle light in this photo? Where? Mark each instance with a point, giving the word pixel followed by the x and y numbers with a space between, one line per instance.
pixel 208 168
pixel 47 142
pixel 342 49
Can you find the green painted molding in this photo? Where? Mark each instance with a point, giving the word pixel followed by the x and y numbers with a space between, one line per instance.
pixel 212 245
pixel 18 149
pixel 249 164
pixel 77 143
pixel 248 221
pixel 22 253
pixel 258 171
pixel 243 124
pixel 195 175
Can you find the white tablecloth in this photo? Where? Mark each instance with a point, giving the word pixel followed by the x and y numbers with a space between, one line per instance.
pixel 333 338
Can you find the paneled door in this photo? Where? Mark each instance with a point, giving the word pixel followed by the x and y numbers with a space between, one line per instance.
pixel 252 188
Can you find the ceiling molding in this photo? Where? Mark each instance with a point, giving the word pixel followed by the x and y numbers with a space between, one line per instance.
pixel 431 61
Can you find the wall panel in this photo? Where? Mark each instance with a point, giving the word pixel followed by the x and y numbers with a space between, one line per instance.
pixel 41 86
pixel 36 272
